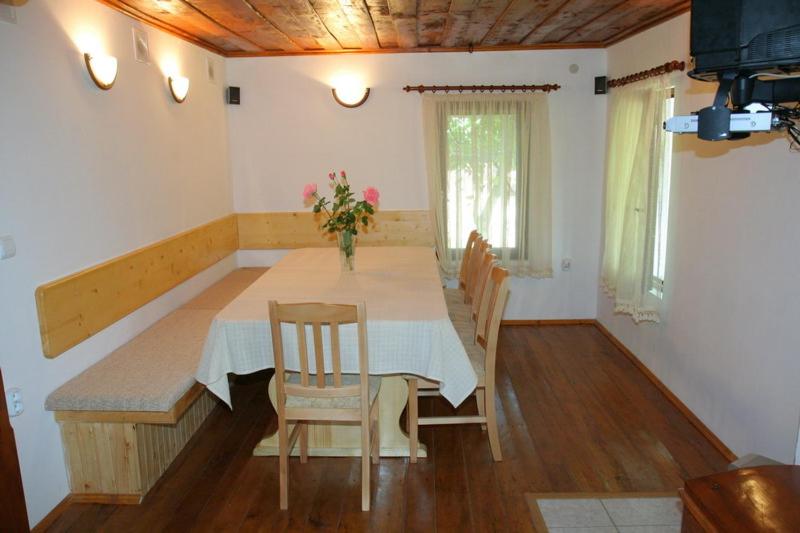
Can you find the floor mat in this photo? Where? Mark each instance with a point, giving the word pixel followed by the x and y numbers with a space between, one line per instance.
pixel 628 512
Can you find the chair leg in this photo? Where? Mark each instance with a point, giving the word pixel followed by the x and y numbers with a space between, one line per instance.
pixel 480 396
pixel 491 424
pixel 283 462
pixel 365 466
pixel 303 442
pixel 376 434
pixel 413 421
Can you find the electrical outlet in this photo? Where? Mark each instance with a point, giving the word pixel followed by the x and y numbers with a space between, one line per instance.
pixel 566 264
pixel 14 401
pixel 8 14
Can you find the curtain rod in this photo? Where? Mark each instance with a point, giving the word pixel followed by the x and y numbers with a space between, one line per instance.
pixel 548 87
pixel 666 68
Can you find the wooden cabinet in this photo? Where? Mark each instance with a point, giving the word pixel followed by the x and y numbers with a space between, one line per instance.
pixel 766 498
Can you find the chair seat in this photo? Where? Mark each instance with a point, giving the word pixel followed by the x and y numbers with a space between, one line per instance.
pixel 343 402
pixel 454 298
pixel 456 307
pixel 465 330
pixel 477 356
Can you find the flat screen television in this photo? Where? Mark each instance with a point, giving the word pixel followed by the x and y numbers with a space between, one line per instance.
pixel 744 35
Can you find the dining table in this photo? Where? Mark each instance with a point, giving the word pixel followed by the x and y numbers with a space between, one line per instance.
pixel 409 333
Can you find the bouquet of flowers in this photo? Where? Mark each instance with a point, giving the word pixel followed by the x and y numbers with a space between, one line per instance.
pixel 345 214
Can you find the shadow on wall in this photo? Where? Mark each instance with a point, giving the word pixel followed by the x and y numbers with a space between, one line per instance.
pixel 711 149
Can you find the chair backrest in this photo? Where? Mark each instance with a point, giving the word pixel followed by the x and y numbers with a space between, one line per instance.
pixel 317 315
pixel 462 274
pixel 479 251
pixel 493 303
pixel 489 261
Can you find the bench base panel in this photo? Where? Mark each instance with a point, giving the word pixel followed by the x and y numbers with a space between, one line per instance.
pixel 119 462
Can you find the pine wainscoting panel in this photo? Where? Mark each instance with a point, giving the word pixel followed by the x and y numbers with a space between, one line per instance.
pixel 75 307
pixel 300 229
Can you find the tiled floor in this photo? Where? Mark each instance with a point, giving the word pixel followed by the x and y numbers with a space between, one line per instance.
pixel 607 515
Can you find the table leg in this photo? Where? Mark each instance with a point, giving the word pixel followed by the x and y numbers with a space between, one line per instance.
pixel 328 439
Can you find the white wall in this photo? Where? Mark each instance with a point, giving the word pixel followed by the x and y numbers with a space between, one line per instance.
pixel 289 131
pixel 728 341
pixel 86 175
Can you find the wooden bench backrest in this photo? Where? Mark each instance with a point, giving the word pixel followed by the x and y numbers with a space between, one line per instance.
pixel 73 308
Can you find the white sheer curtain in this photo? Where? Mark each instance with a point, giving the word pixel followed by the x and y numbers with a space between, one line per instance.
pixel 633 173
pixel 488 159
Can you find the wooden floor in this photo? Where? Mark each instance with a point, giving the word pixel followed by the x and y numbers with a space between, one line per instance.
pixel 575 416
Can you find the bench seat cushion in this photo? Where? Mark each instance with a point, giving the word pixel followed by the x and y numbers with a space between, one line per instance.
pixel 224 291
pixel 149 373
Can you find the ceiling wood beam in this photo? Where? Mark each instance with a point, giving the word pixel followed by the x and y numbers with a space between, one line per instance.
pixel 553 15
pixel 427 49
pixel 458 17
pixel 239 28
pixel 482 20
pixel 384 25
pixel 431 21
pixel 614 20
pixel 304 12
pixel 243 19
pixel 587 22
pixel 678 9
pixel 404 17
pixel 284 20
pixel 573 15
pixel 185 23
pixel 334 18
pixel 518 19
pixel 496 24
pixel 358 15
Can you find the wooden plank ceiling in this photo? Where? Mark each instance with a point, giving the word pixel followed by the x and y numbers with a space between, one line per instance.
pixel 285 27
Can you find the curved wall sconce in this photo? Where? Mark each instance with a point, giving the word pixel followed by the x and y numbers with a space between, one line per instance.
pixel 102 69
pixel 179 87
pixel 350 95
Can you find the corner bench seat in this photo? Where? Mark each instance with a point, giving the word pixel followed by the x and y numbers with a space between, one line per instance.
pixel 125 418
pixel 149 373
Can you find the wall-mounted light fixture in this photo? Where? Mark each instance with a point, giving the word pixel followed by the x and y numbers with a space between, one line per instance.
pixel 102 69
pixel 179 87
pixel 350 92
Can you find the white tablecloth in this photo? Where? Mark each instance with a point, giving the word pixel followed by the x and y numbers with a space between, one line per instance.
pixel 408 329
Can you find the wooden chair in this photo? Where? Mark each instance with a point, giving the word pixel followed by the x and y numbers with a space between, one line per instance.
pixel 332 396
pixel 462 274
pixel 465 316
pixel 483 355
pixel 459 298
pixel 479 250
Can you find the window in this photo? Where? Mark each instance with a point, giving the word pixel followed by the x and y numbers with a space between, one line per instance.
pixel 637 196
pixel 662 205
pixel 481 191
pixel 488 159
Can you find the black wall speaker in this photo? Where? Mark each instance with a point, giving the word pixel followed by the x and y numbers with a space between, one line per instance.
pixel 234 95
pixel 600 85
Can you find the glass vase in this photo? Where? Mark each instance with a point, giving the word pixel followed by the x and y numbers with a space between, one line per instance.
pixel 347 250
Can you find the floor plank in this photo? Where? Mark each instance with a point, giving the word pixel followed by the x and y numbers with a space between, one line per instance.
pixel 574 416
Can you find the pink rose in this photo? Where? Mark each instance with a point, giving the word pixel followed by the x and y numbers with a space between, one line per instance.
pixel 309 191
pixel 371 195
pixel 343 174
pixel 331 175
